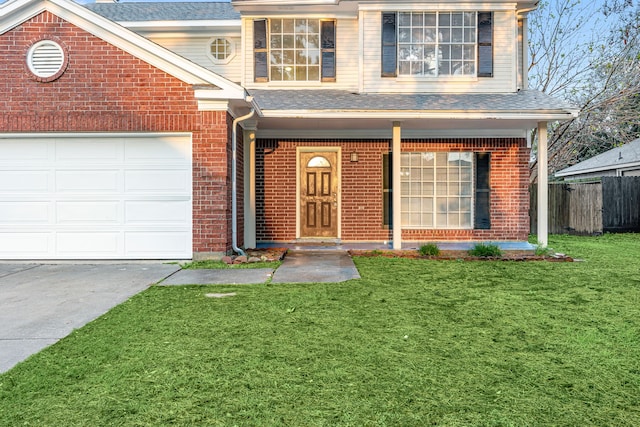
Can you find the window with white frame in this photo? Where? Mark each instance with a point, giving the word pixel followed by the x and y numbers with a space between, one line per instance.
pixel 294 49
pixel 221 50
pixel 437 190
pixel 437 44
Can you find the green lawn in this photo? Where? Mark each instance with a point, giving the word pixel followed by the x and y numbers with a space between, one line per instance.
pixel 413 343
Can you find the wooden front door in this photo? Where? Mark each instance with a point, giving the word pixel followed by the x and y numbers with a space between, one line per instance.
pixel 319 194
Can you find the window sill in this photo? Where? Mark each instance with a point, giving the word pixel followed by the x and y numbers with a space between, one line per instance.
pixel 427 79
pixel 415 228
pixel 292 84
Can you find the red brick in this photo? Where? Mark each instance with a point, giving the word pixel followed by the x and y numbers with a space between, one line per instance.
pixel 105 89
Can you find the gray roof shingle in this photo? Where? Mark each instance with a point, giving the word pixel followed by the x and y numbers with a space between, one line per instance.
pixel 161 11
pixel 612 159
pixel 337 100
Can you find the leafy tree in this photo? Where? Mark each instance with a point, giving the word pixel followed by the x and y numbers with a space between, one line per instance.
pixel 587 53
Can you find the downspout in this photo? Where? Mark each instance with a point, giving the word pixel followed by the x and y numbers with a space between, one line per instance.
pixel 234 179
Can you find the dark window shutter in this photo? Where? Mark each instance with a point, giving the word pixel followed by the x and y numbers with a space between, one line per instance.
pixel 387 195
pixel 260 64
pixel 328 47
pixel 389 48
pixel 485 44
pixel 483 192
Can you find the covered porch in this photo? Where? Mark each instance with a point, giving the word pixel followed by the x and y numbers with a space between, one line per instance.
pixel 301 121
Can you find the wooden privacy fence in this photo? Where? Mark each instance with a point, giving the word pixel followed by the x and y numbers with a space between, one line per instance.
pixel 610 205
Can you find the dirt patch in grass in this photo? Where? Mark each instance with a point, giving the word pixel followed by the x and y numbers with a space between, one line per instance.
pixel 462 255
pixel 268 254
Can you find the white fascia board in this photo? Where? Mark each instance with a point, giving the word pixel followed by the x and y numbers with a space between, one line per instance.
pixel 399 115
pixel 213 105
pixel 284 2
pixel 598 169
pixel 386 133
pixel 19 11
pixel 290 12
pixel 131 42
pixel 29 135
pixel 182 25
pixel 437 5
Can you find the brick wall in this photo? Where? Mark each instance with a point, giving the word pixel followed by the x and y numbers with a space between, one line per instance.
pixel 105 89
pixel 361 189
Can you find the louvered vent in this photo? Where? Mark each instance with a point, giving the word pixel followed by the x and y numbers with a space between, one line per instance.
pixel 45 58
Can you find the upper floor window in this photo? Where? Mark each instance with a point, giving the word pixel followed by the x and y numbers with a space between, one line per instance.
pixel 437 44
pixel 221 51
pixel 294 50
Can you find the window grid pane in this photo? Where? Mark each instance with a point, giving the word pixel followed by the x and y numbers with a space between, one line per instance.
pixel 437 43
pixel 294 49
pixel 436 190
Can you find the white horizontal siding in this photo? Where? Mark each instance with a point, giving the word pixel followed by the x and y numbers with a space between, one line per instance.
pixel 504 65
pixel 346 60
pixel 195 49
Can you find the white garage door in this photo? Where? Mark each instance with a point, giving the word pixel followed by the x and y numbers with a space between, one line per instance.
pixel 84 196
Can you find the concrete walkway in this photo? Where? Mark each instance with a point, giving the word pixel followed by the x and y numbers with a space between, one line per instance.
pixel 299 266
pixel 316 266
pixel 235 276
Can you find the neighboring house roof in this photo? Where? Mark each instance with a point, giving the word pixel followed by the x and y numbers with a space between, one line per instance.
pixel 524 104
pixel 622 157
pixel 169 11
pixel 209 85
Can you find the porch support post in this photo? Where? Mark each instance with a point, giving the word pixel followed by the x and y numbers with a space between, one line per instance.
pixel 396 149
pixel 543 186
pixel 249 139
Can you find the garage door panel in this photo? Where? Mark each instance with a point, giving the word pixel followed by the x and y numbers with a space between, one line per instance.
pixel 88 244
pixel 158 212
pixel 84 196
pixel 20 212
pixel 87 180
pixel 25 245
pixel 157 180
pixel 25 151
pixel 96 151
pixel 24 181
pixel 88 212
pixel 169 244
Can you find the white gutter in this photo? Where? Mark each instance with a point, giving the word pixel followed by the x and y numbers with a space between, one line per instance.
pixel 234 179
pixel 404 115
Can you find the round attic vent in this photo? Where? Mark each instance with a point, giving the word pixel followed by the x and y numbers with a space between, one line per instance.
pixel 45 58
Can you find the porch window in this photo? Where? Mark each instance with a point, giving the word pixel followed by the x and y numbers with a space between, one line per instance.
pixel 437 190
pixel 288 49
pixel 437 44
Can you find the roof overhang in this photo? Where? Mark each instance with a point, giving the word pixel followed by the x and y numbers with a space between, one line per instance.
pixel 15 12
pixel 420 115
pixel 342 114
pixel 188 26
pixel 621 166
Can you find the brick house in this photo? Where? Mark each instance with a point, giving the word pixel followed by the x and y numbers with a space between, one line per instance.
pixel 179 130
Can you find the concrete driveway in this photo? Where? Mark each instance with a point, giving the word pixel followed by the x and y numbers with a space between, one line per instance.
pixel 41 303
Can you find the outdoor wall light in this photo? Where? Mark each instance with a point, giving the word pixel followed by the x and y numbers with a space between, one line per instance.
pixel 354 157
